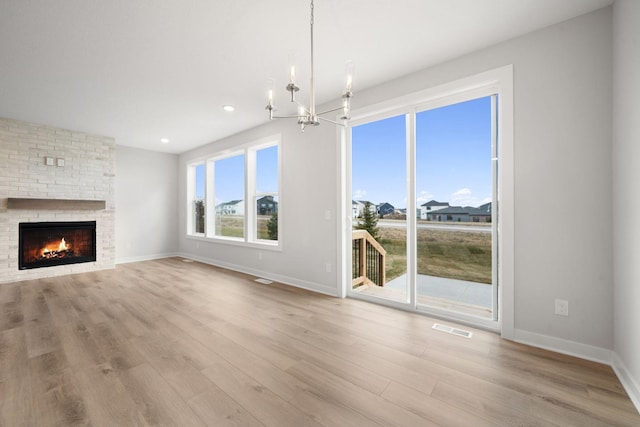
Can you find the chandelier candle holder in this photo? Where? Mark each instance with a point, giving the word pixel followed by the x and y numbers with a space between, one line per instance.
pixel 308 115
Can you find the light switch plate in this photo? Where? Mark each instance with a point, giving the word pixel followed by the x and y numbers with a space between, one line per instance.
pixel 60 162
pixel 49 161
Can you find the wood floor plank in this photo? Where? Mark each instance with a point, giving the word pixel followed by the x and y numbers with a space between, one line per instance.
pixel 48 371
pixel 107 402
pixel 11 315
pixel 371 367
pixel 168 342
pixel 79 346
pixel 117 350
pixel 259 401
pixel 172 366
pixel 330 412
pixel 34 303
pixel 16 406
pixel 377 409
pixel 42 335
pixel 13 353
pixel 217 409
pixel 156 399
pixel 10 292
pixel 471 401
pixel 61 405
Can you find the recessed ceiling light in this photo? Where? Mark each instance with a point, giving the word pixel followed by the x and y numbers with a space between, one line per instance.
pixel 228 108
pixel 164 140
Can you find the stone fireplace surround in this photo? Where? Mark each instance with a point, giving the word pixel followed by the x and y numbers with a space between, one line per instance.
pixel 29 169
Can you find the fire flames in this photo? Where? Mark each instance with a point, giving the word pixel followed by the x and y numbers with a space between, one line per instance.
pixel 52 251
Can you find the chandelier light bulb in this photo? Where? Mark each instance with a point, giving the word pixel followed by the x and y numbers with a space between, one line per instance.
pixel 348 71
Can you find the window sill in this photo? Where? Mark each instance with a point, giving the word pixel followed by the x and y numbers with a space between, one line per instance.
pixel 265 245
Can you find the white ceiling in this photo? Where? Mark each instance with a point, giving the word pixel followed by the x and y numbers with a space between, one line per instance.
pixel 142 70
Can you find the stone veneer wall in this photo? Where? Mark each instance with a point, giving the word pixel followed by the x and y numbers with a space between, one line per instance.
pixel 88 173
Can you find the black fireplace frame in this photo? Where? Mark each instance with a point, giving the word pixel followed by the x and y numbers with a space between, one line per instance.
pixel 55 227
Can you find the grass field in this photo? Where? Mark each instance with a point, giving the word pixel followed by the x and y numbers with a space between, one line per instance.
pixel 233 226
pixel 442 253
pixel 230 226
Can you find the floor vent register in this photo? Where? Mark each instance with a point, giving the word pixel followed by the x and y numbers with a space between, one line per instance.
pixel 450 330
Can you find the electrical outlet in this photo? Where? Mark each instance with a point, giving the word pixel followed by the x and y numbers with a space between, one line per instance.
pixel 562 307
pixel 327 267
pixel 259 255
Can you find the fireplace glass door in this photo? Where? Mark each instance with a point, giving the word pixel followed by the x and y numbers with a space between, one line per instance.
pixel 47 244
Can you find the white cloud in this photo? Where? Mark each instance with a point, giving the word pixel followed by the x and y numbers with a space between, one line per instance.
pixel 359 194
pixel 424 197
pixel 465 197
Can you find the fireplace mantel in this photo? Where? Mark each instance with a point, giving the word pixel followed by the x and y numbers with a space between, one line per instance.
pixel 54 204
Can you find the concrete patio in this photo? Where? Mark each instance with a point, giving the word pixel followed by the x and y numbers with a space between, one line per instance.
pixel 451 294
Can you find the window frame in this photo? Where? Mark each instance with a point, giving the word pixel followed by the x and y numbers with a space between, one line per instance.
pixel 255 194
pixel 250 237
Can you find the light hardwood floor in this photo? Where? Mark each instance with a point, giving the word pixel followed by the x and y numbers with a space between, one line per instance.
pixel 170 342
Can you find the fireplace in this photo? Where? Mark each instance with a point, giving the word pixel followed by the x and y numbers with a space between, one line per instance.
pixel 47 244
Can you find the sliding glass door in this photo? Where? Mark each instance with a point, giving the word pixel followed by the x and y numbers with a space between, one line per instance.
pixel 379 238
pixel 424 187
pixel 455 194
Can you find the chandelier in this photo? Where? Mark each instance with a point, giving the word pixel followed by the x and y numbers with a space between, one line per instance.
pixel 308 115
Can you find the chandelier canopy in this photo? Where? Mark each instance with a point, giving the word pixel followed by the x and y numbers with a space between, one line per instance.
pixel 308 115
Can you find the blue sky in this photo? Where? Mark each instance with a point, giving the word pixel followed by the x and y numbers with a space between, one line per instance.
pixel 453 157
pixel 229 175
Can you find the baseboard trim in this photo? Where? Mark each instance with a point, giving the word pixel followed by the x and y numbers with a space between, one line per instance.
pixel 587 352
pixel 628 382
pixel 291 281
pixel 127 260
pixel 559 345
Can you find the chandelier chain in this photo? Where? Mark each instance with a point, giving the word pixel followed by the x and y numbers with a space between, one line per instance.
pixel 311 12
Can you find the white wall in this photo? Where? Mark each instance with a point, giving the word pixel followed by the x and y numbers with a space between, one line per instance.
pixel 626 192
pixel 308 189
pixel 562 90
pixel 146 204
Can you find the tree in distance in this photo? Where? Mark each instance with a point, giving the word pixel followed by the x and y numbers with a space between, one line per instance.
pixel 369 221
pixel 272 226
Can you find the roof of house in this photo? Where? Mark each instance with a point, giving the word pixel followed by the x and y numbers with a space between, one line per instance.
pixel 450 210
pixel 486 207
pixel 434 203
pixel 230 203
pixel 267 198
pixel 461 210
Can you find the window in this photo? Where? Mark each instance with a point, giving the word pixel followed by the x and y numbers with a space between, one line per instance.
pixel 235 195
pixel 229 186
pixel 196 208
pixel 267 193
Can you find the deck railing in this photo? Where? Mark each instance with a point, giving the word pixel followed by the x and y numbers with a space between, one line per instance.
pixel 368 259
